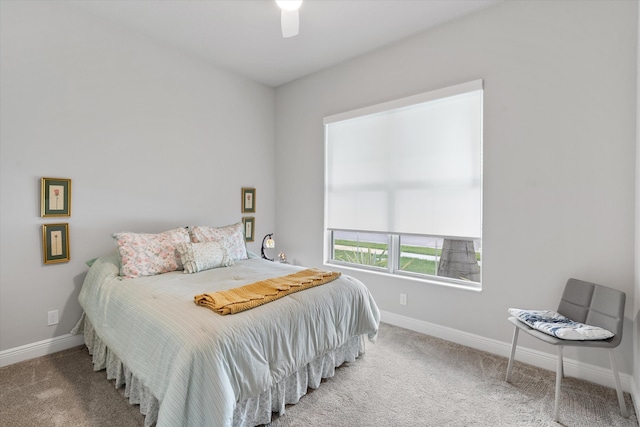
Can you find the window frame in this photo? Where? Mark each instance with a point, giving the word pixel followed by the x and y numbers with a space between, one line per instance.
pixel 393 256
pixel 394 253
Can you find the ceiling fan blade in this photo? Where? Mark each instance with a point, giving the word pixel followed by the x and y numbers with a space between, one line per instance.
pixel 290 21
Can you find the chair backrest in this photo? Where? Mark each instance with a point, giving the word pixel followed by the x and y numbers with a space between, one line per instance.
pixel 594 305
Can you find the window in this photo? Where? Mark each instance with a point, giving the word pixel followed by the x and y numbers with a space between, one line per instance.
pixel 403 186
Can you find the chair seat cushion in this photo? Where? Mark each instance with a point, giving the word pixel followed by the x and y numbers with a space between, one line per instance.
pixel 559 326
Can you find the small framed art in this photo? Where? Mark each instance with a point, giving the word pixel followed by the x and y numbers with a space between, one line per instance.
pixel 55 199
pixel 55 243
pixel 249 228
pixel 248 200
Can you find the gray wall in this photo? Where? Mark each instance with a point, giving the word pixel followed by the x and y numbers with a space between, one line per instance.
pixel 559 155
pixel 636 312
pixel 152 139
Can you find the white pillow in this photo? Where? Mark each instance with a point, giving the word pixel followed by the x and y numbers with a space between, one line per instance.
pixel 232 236
pixel 557 325
pixel 203 256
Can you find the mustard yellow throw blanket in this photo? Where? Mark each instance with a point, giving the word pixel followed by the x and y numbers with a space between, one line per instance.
pixel 255 294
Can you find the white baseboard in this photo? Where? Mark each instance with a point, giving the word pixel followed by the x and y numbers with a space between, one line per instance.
pixel 40 348
pixel 635 396
pixel 537 358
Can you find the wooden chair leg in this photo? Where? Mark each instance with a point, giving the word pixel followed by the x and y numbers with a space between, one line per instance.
pixel 559 374
pixel 513 353
pixel 616 377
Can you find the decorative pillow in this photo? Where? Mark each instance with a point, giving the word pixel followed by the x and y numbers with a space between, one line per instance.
pixel 203 256
pixel 232 235
pixel 149 254
pixel 557 325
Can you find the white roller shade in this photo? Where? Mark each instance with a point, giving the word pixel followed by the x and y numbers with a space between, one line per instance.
pixel 408 166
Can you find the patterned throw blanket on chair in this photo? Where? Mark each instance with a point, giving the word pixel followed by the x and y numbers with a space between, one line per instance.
pixel 255 294
pixel 555 324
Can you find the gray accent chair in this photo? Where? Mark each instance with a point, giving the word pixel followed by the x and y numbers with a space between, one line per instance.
pixel 587 303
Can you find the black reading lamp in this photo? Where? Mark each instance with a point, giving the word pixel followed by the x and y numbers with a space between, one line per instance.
pixel 268 243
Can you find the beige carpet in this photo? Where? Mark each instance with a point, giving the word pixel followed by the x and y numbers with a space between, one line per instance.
pixel 405 379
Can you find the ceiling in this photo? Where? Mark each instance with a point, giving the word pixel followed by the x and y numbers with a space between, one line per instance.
pixel 244 36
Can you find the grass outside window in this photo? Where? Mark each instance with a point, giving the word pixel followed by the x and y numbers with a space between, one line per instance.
pixel 422 256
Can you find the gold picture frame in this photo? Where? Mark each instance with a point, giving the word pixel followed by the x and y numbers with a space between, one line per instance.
pixel 248 200
pixel 55 243
pixel 249 224
pixel 55 197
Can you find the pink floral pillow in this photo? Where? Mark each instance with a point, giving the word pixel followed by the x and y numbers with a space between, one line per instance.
pixel 232 235
pixel 149 254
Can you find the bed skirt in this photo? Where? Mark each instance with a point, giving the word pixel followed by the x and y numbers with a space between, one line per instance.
pixel 248 413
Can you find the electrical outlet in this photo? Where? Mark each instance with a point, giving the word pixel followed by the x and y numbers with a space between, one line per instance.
pixel 403 299
pixel 52 318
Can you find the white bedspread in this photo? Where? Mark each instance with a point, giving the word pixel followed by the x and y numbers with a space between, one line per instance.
pixel 197 363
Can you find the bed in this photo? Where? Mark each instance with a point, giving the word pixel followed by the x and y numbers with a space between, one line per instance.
pixel 186 365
